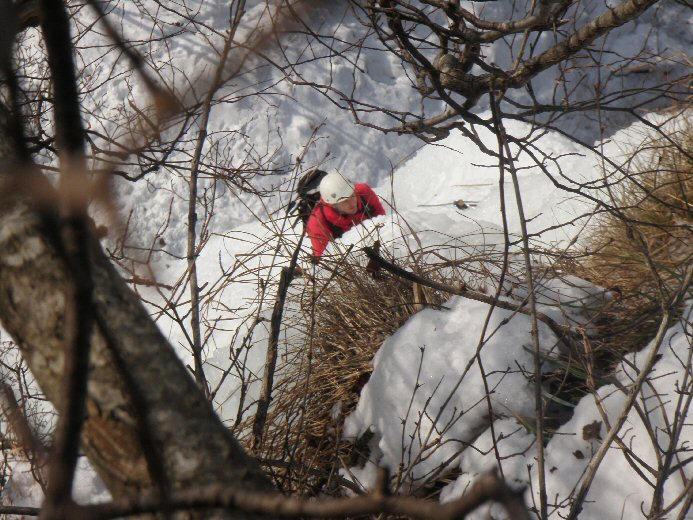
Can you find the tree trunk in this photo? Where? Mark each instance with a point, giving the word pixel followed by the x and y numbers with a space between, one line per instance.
pixel 136 381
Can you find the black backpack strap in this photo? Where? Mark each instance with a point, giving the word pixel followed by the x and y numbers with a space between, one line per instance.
pixel 366 208
pixel 336 231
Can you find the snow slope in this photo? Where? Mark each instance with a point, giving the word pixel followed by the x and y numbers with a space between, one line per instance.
pixel 436 348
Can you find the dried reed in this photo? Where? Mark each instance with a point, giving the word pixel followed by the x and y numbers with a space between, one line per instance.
pixel 641 253
pixel 342 318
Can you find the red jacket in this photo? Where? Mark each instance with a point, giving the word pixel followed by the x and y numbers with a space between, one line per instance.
pixel 320 231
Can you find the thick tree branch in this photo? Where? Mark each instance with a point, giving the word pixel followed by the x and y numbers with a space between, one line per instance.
pixel 612 18
pixel 71 237
pixel 287 275
pixel 561 331
pixel 488 487
pixel 451 71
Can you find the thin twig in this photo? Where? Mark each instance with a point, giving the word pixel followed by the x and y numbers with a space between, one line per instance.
pixel 504 151
pixel 19 511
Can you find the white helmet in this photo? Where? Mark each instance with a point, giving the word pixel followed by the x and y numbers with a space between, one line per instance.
pixel 335 188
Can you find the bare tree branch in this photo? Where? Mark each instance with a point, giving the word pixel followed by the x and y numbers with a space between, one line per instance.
pixel 560 330
pixel 488 487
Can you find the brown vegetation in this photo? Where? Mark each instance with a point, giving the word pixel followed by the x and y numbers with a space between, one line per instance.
pixel 641 252
pixel 325 367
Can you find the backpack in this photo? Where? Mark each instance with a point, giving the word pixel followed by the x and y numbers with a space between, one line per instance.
pixel 307 195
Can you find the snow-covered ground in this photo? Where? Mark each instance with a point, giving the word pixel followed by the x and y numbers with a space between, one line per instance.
pixel 428 387
pixel 427 383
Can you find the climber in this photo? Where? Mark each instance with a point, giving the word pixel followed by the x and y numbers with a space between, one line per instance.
pixel 342 205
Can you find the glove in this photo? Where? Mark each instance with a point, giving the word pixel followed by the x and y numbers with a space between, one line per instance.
pixel 372 267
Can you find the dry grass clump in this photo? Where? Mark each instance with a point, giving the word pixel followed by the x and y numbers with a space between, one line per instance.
pixel 345 317
pixel 641 253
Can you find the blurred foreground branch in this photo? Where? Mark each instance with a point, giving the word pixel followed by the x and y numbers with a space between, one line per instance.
pixel 489 487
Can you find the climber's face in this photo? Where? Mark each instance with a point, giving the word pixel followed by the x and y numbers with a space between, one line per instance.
pixel 347 206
